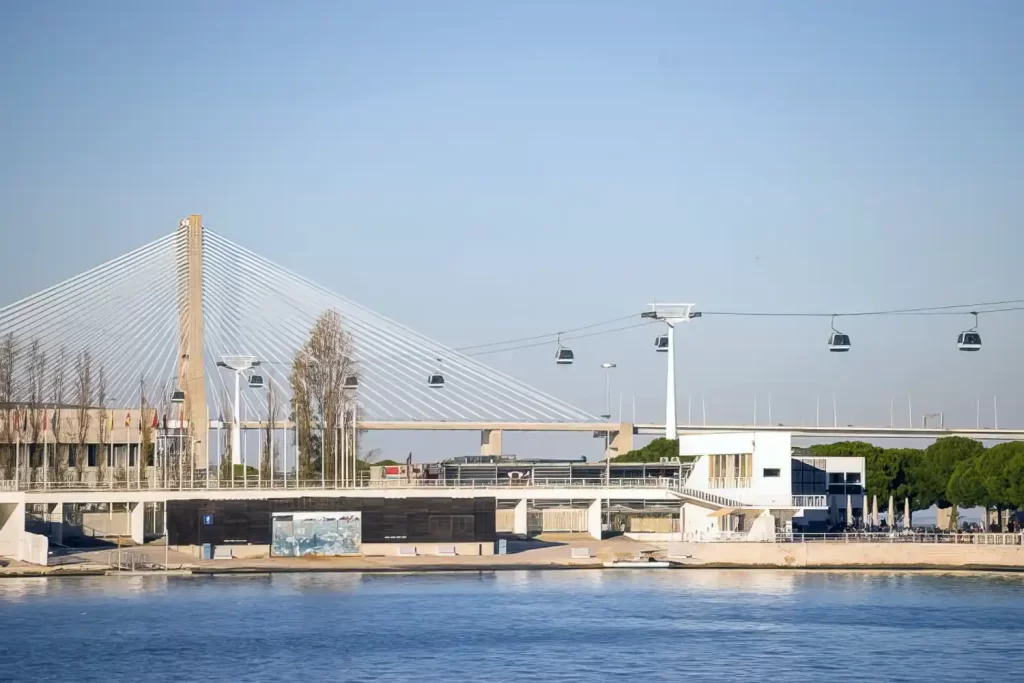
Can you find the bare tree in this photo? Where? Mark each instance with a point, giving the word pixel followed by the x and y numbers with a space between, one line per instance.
pixel 83 400
pixel 226 470
pixel 147 416
pixel 318 377
pixel 105 426
pixel 36 375
pixel 58 464
pixel 8 354
pixel 267 456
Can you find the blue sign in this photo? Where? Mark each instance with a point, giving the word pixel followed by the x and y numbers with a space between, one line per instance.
pixel 207 520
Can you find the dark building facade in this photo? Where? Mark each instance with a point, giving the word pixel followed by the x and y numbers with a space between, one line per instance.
pixel 384 520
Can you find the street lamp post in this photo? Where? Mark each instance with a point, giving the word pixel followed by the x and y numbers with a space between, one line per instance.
pixel 608 367
pixel 240 365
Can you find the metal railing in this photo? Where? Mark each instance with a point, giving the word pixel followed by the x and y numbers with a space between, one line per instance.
pixel 201 483
pixel 121 560
pixel 903 537
pixel 729 482
pixel 713 498
pixel 813 501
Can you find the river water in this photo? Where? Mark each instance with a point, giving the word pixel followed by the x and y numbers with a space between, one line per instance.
pixel 694 625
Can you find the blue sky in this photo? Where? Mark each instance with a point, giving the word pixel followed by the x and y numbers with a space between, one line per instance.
pixel 483 171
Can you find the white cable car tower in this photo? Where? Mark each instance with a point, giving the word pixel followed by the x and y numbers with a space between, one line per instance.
pixel 672 315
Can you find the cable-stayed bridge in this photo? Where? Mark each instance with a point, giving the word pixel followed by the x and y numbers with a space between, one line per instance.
pixel 158 318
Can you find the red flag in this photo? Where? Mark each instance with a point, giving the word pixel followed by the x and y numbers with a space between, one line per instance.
pixel 155 423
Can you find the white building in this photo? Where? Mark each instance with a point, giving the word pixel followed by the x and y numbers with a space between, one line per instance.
pixel 765 488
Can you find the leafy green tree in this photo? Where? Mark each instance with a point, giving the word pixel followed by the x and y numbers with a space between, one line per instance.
pixel 939 462
pixel 965 487
pixel 1013 471
pixel 845 449
pixel 652 452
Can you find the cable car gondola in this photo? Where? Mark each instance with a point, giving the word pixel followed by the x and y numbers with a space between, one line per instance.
pixel 177 396
pixel 661 343
pixel 563 355
pixel 435 380
pixel 970 340
pixel 256 382
pixel 837 341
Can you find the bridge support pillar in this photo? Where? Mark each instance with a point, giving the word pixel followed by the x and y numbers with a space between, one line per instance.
pixel 594 519
pixel 56 519
pixel 137 522
pixel 490 442
pixel 191 364
pixel 621 441
pixel 519 519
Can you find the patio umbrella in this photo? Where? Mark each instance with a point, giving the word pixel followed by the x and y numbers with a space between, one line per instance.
pixel 874 510
pixel 906 513
pixel 891 514
pixel 849 510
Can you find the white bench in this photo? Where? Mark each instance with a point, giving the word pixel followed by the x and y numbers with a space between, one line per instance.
pixel 581 553
pixel 407 551
pixel 446 550
pixel 222 552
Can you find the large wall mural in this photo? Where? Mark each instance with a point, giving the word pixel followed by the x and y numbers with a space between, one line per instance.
pixel 295 534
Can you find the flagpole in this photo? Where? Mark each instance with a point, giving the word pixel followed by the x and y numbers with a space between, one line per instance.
pixel 45 459
pixel 207 438
pixel 110 449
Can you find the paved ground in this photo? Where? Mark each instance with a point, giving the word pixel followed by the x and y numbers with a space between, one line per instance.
pixel 551 550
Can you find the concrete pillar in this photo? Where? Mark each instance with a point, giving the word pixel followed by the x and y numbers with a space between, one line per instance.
pixel 519 518
pixel 594 519
pixel 190 333
pixel 137 522
pixel 490 442
pixel 56 519
pixel 621 441
pixel 12 525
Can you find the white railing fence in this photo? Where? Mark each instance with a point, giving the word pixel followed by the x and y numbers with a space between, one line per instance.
pixel 201 482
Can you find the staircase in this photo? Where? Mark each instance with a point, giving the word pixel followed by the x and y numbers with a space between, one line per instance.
pixel 705 499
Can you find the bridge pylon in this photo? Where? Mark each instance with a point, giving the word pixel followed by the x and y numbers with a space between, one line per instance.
pixel 189 246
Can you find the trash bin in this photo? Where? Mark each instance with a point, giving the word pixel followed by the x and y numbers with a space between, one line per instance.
pixel 207 551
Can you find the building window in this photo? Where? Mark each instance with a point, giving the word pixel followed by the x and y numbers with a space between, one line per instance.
pixel 853 477
pixel 808 476
pixel 92 455
pixel 772 472
pixel 836 478
pixel 730 471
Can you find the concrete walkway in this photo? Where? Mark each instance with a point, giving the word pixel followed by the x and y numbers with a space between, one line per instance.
pixel 549 551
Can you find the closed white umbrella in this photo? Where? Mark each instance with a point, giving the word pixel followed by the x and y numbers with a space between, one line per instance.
pixel 849 510
pixel 891 515
pixel 906 513
pixel 874 510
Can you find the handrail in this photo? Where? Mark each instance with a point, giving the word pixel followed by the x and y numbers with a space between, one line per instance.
pixel 201 483
pixel 904 537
